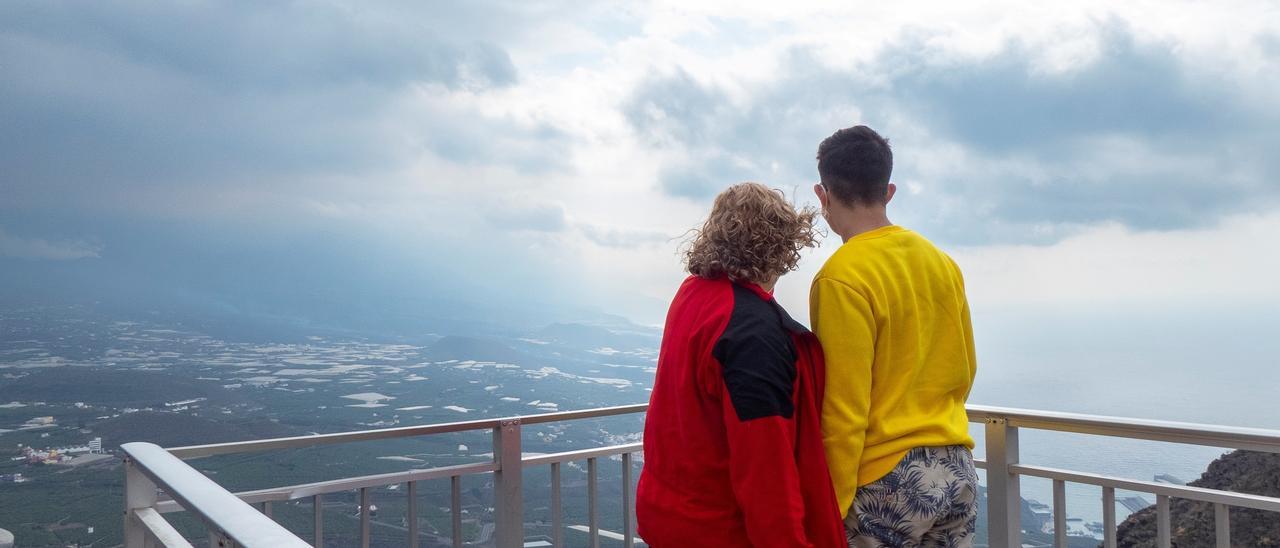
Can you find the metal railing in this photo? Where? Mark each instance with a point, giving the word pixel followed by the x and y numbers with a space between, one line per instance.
pixel 150 468
pixel 232 520
pixel 1004 470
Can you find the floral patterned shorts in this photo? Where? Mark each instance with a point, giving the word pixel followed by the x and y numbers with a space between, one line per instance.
pixel 929 500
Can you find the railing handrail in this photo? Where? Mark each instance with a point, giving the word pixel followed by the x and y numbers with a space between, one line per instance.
pixel 1188 492
pixel 217 507
pixel 293 442
pixel 1232 437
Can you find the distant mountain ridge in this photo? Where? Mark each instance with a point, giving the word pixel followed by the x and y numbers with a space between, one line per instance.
pixel 455 347
pixel 589 336
pixel 1193 522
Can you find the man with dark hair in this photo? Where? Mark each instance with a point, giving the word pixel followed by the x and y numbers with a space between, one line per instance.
pixel 857 163
pixel 891 313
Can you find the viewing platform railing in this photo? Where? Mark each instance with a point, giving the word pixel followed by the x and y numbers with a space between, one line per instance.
pixel 232 519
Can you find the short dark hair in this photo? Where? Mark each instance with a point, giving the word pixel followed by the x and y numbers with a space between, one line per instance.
pixel 855 164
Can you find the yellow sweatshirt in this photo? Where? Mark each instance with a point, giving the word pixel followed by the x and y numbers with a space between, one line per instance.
pixel 891 313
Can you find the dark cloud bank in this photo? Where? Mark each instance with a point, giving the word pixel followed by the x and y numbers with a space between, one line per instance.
pixel 119 119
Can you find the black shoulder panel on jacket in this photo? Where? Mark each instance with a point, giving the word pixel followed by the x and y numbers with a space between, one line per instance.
pixel 758 358
pixel 791 325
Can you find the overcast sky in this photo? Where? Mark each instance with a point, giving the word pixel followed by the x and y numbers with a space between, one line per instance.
pixel 1068 156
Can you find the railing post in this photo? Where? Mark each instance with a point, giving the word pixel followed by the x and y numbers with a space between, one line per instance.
pixel 317 533
pixel 1163 527
pixel 455 509
pixel 1059 514
pixel 411 491
pixel 1109 538
pixel 593 503
pixel 557 510
pixel 139 492
pixel 1004 492
pixel 365 506
pixel 1222 525
pixel 508 500
pixel 219 539
pixel 628 515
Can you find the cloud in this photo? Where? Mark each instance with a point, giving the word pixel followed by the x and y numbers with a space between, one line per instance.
pixel 1270 44
pixel 267 46
pixel 1011 101
pixel 677 110
pixel 36 248
pixel 580 139
pixel 622 238
pixel 714 140
pixel 530 215
pixel 1210 270
pixel 1004 146
pixel 268 153
pixel 134 99
pixel 1110 265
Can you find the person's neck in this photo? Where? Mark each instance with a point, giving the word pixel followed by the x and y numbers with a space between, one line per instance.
pixel 766 285
pixel 769 285
pixel 850 222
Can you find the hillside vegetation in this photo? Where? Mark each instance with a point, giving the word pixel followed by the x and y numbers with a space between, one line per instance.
pixel 106 386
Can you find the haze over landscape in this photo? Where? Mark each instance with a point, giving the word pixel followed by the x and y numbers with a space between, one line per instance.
pixel 329 216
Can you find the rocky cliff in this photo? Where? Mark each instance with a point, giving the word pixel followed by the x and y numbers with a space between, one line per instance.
pixel 1192 522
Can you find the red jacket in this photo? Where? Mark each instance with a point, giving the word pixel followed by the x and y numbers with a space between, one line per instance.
pixel 732 446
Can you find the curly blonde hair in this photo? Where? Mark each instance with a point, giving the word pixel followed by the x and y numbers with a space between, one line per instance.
pixel 753 234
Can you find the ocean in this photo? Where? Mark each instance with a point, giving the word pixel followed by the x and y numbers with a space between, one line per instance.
pixel 1213 364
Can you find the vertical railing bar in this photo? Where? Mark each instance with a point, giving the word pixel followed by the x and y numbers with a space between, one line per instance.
pixel 508 486
pixel 1004 500
pixel 593 523
pixel 1164 529
pixel 139 492
pixel 1059 514
pixel 411 490
pixel 455 505
pixel 1109 517
pixel 628 537
pixel 364 517
pixel 266 509
pixel 317 533
pixel 557 510
pixel 1222 525
pixel 219 539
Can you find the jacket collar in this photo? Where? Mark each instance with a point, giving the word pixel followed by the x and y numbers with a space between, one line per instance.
pixel 759 291
pixel 787 321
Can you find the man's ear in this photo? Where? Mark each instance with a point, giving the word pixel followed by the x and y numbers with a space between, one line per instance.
pixel 888 195
pixel 822 194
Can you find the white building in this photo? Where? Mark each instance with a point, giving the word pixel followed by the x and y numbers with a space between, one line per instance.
pixel 95 445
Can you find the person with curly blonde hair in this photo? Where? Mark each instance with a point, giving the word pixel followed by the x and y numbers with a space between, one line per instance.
pixel 732 443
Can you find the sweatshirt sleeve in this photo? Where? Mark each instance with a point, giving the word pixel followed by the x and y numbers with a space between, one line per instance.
pixel 759 417
pixel 843 320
